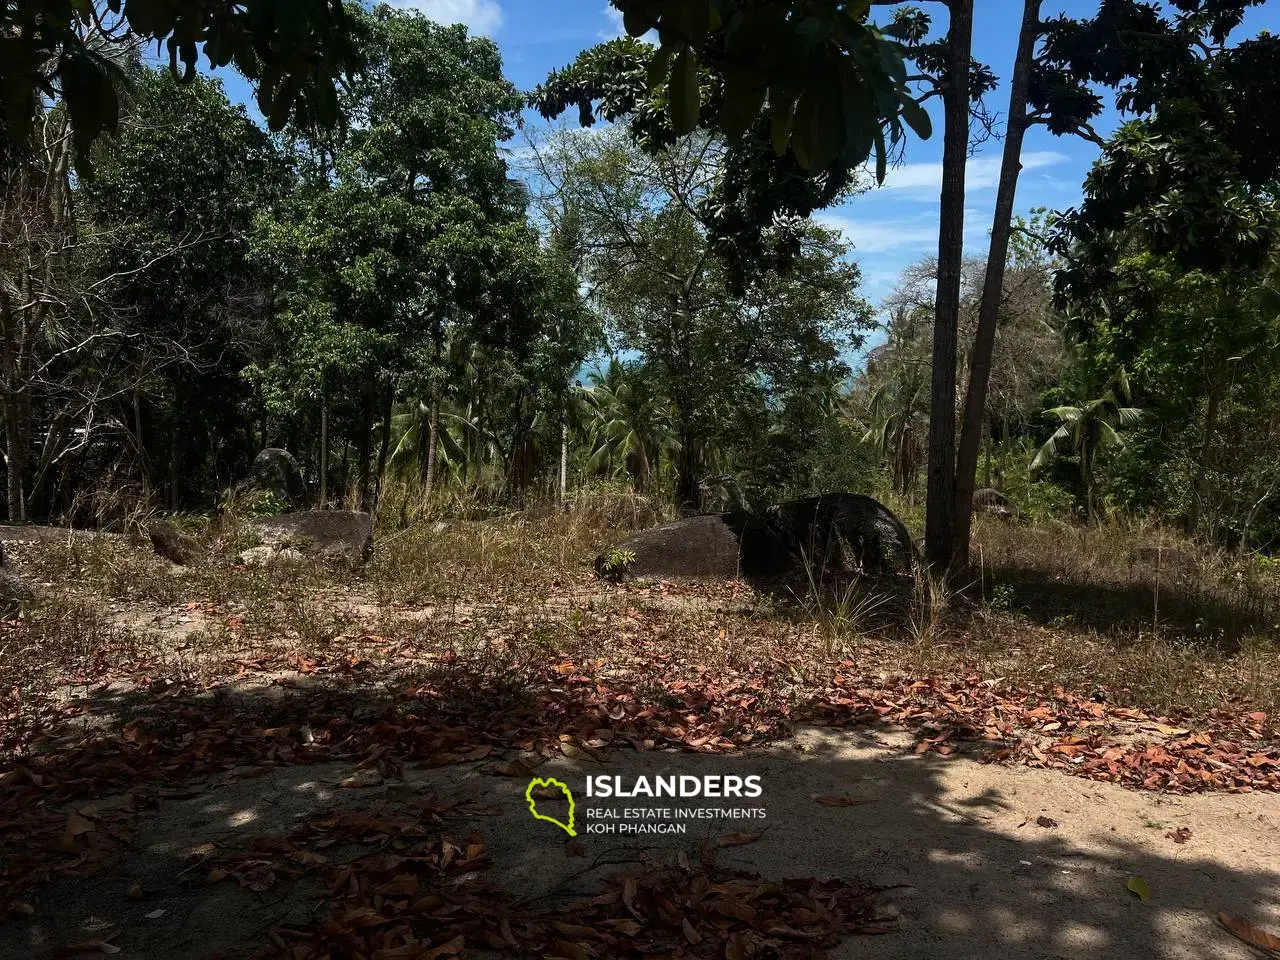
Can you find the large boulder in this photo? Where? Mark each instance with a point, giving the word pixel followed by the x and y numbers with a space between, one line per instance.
pixel 276 470
pixel 844 532
pixel 13 592
pixel 714 546
pixel 340 534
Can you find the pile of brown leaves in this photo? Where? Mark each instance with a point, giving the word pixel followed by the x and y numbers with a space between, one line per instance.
pixel 420 893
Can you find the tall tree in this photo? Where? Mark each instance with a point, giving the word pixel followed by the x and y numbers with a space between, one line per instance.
pixel 413 205
pixel 644 223
pixel 176 196
pixel 1150 59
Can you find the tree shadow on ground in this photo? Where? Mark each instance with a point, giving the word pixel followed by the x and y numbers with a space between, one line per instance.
pixel 1119 608
pixel 953 844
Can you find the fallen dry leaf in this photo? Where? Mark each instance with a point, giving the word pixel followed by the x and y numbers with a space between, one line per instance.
pixel 1246 931
pixel 739 839
pixel 840 801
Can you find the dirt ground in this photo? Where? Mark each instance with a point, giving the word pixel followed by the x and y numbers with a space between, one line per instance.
pixel 976 859
pixel 230 764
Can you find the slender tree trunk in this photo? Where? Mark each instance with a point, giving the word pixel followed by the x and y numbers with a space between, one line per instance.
pixel 15 462
pixel 1213 404
pixel 433 441
pixel 324 447
pixel 564 458
pixel 388 405
pixel 364 445
pixel 143 468
pixel 941 501
pixel 1086 473
pixel 975 403
pixel 688 496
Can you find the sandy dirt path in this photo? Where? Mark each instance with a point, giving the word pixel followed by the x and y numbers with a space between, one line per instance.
pixel 976 860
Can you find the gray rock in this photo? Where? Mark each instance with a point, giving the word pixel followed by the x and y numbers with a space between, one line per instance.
pixel 172 544
pixel 266 556
pixel 327 533
pixel 993 503
pixel 276 470
pixel 13 592
pixel 713 546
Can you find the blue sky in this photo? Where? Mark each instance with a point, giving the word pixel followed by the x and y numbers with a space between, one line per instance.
pixel 891 226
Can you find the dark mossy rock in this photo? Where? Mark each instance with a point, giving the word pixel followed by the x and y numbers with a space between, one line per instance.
pixel 844 533
pixel 276 470
pixel 172 544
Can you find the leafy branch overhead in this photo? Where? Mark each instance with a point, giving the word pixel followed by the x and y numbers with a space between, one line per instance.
pixel 818 78
pixel 295 52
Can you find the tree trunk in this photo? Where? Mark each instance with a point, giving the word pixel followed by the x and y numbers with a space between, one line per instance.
pixel 1213 404
pixel 388 405
pixel 564 459
pixel 433 441
pixel 941 501
pixel 324 448
pixel 975 403
pixel 15 462
pixel 364 448
pixel 144 470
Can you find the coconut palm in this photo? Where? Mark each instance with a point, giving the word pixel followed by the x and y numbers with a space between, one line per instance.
pixel 629 428
pixel 1088 429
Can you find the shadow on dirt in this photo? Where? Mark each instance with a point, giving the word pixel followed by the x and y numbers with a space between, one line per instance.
pixel 125 825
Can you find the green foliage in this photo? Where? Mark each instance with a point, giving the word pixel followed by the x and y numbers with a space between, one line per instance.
pixel 56 49
pixel 1087 430
pixel 821 78
pixel 176 196
pixel 616 561
pixel 716 348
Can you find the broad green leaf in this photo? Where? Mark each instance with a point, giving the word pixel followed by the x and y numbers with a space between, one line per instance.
pixel 917 118
pixel 744 93
pixel 782 107
pixel 635 23
pixel 693 20
pixel 1139 886
pixel 659 66
pixel 683 93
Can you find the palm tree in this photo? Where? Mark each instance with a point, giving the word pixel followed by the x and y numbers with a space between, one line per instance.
pixel 1087 429
pixel 629 428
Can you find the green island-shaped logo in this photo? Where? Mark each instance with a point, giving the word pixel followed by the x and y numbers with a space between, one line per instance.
pixel 550 783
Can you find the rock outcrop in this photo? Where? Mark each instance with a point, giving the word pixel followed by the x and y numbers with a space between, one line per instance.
pixel 712 546
pixel 276 470
pixel 172 544
pixel 993 503
pixel 844 533
pixel 338 534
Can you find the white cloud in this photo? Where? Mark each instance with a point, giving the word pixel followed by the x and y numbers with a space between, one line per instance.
pixel 981 173
pixel 480 16
pixel 881 236
pixel 615 28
